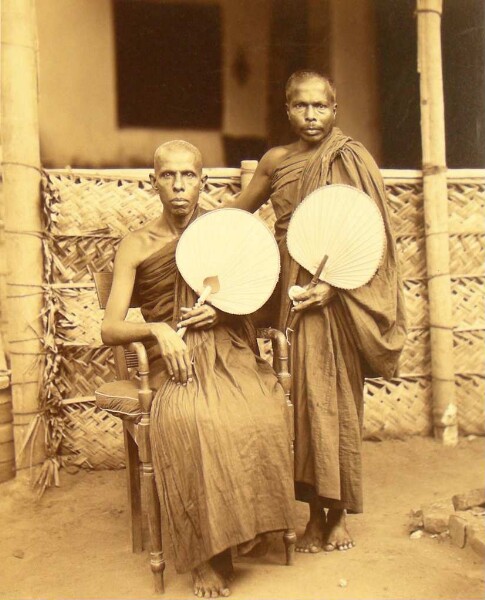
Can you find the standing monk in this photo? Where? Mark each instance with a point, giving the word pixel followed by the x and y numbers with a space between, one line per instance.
pixel 220 443
pixel 342 336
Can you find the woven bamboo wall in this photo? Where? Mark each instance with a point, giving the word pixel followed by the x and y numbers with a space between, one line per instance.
pixel 86 215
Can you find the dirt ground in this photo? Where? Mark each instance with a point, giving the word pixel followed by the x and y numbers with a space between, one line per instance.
pixel 74 543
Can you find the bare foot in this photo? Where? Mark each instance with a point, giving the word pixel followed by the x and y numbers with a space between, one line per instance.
pixel 312 540
pixel 337 536
pixel 256 548
pixel 222 563
pixel 207 583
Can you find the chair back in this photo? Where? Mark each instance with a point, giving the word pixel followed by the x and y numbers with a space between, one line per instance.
pixel 124 359
pixel 103 281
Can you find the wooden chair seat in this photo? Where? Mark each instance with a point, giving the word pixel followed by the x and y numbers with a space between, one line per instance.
pixel 120 398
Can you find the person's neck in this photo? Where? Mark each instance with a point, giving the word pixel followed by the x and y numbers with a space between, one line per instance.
pixel 174 224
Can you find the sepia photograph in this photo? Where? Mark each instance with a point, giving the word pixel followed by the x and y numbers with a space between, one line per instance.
pixel 242 299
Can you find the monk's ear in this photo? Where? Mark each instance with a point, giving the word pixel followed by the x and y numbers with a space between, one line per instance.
pixel 203 181
pixel 335 110
pixel 287 106
pixel 153 181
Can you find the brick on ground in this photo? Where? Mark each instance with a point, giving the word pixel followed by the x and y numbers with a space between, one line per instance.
pixel 470 499
pixel 476 538
pixel 458 529
pixel 436 516
pixel 460 524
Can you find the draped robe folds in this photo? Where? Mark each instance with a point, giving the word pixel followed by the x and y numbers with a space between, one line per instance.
pixel 360 333
pixel 221 447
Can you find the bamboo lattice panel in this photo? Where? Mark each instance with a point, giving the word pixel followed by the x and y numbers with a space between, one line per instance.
pixel 88 213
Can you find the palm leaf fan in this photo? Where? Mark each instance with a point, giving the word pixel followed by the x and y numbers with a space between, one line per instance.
pixel 231 258
pixel 337 234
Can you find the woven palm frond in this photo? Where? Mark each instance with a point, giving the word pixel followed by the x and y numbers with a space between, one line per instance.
pixel 467 254
pixel 83 369
pixel 412 256
pixel 405 201
pixel 75 257
pixel 466 207
pixel 93 434
pixel 470 396
pixel 469 351
pixel 78 316
pixel 468 302
pixel 415 359
pixel 416 299
pixel 90 204
pixel 397 408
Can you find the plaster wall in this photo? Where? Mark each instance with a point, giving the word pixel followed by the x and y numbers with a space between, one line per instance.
pixel 77 85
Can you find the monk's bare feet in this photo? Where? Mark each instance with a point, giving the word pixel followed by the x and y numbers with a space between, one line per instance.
pixel 255 548
pixel 222 564
pixel 337 536
pixel 208 583
pixel 312 540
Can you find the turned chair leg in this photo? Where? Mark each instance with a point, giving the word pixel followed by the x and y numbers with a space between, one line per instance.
pixel 157 561
pixel 289 538
pixel 134 490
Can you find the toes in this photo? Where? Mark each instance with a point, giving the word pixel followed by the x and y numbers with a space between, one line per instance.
pixel 214 594
pixel 314 549
pixel 207 594
pixel 329 547
pixel 225 592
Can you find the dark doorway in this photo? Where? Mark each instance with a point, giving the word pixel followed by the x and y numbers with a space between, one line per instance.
pixel 168 64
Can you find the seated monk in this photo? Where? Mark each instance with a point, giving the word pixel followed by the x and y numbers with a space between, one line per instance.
pixel 220 444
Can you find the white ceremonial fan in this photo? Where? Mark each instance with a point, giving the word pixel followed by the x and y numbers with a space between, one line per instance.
pixel 337 234
pixel 230 257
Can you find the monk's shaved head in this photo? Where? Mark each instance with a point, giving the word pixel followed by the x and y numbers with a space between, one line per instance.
pixel 301 76
pixel 177 146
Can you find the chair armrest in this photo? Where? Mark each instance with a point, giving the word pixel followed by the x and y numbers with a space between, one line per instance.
pixel 145 393
pixel 280 365
pixel 280 356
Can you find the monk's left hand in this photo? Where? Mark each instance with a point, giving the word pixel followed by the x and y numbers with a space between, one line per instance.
pixel 202 317
pixel 313 297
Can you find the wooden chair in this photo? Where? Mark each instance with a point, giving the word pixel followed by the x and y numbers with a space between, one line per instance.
pixel 130 397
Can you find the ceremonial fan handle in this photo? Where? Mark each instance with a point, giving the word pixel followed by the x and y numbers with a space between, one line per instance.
pixel 313 283
pixel 318 272
pixel 202 298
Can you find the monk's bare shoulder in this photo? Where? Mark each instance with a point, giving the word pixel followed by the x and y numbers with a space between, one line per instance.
pixel 139 244
pixel 275 156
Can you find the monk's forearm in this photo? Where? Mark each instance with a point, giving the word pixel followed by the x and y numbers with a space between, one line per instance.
pixel 246 201
pixel 124 332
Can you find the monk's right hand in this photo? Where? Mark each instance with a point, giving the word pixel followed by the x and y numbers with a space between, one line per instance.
pixel 174 352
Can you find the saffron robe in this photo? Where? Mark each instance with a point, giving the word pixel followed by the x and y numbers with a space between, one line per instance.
pixel 221 446
pixel 360 333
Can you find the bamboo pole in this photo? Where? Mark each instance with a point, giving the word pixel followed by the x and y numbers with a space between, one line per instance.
pixel 7 454
pixel 23 225
pixel 436 219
